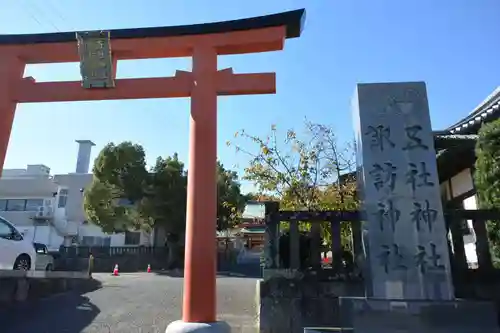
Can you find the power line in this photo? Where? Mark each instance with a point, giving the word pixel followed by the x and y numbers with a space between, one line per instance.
pixel 34 16
pixel 56 11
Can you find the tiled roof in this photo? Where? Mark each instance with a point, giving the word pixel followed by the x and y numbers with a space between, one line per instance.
pixel 444 141
pixel 464 137
pixel 466 129
pixel 489 109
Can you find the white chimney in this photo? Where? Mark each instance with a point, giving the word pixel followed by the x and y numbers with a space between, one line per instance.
pixel 83 159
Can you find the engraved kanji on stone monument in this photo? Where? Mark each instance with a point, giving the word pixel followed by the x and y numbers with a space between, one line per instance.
pixel 418 176
pixel 392 257
pixel 401 199
pixel 387 215
pixel 380 137
pixel 423 214
pixel 413 140
pixel 96 64
pixel 384 175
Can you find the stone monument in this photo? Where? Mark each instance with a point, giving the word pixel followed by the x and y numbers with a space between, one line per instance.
pixel 408 279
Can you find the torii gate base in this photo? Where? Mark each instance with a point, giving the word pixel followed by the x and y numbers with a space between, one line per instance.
pixel 183 327
pixel 202 42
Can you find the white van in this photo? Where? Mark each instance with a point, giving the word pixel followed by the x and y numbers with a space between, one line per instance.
pixel 16 252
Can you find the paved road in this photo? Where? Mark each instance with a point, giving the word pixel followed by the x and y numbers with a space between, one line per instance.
pixel 130 303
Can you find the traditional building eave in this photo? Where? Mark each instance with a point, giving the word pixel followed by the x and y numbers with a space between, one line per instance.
pixel 488 110
pixel 452 140
pixel 448 147
pixel 455 145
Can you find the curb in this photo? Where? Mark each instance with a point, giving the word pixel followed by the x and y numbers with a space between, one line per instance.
pixel 231 274
pixel 27 292
pixel 44 274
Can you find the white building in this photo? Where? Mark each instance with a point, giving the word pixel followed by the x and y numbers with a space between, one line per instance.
pixel 49 208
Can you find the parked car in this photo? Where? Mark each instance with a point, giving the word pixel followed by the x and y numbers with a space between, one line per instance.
pixel 16 252
pixel 44 260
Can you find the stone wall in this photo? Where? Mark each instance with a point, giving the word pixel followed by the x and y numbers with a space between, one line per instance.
pixel 132 262
pixel 126 263
pixel 289 302
pixel 18 288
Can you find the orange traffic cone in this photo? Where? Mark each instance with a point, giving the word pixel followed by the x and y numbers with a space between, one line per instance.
pixel 149 268
pixel 115 271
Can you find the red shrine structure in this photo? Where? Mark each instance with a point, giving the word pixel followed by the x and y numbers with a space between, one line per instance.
pixel 99 53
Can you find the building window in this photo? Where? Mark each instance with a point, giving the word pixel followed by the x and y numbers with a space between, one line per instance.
pixel 88 240
pixel 16 205
pixel 63 198
pixel 20 205
pixel 132 237
pixel 33 205
pixel 5 230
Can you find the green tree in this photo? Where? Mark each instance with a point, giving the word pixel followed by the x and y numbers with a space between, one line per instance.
pixel 298 170
pixel 165 197
pixel 164 202
pixel 99 206
pixel 304 173
pixel 487 179
pixel 123 167
pixel 231 202
pixel 111 200
pixel 124 195
pixel 260 197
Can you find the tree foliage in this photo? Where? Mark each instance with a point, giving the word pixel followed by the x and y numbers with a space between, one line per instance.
pixel 259 197
pixel 124 195
pixel 99 206
pixel 304 172
pixel 231 202
pixel 122 167
pixel 165 194
pixel 487 179
pixel 111 199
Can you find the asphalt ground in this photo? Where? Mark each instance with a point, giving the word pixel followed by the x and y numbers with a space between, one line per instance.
pixel 130 303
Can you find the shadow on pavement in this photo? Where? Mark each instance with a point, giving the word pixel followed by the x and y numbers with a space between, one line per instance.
pixel 69 312
pixel 241 271
pixel 171 273
pixel 239 275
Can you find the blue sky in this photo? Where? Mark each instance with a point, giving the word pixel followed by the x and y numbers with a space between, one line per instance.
pixel 452 45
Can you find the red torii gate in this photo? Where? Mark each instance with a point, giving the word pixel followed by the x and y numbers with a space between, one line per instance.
pixel 202 42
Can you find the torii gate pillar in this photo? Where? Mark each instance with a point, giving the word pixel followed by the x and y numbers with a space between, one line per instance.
pixel 11 70
pixel 201 212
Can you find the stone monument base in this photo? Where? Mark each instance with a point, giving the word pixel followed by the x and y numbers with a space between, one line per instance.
pixel 369 315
